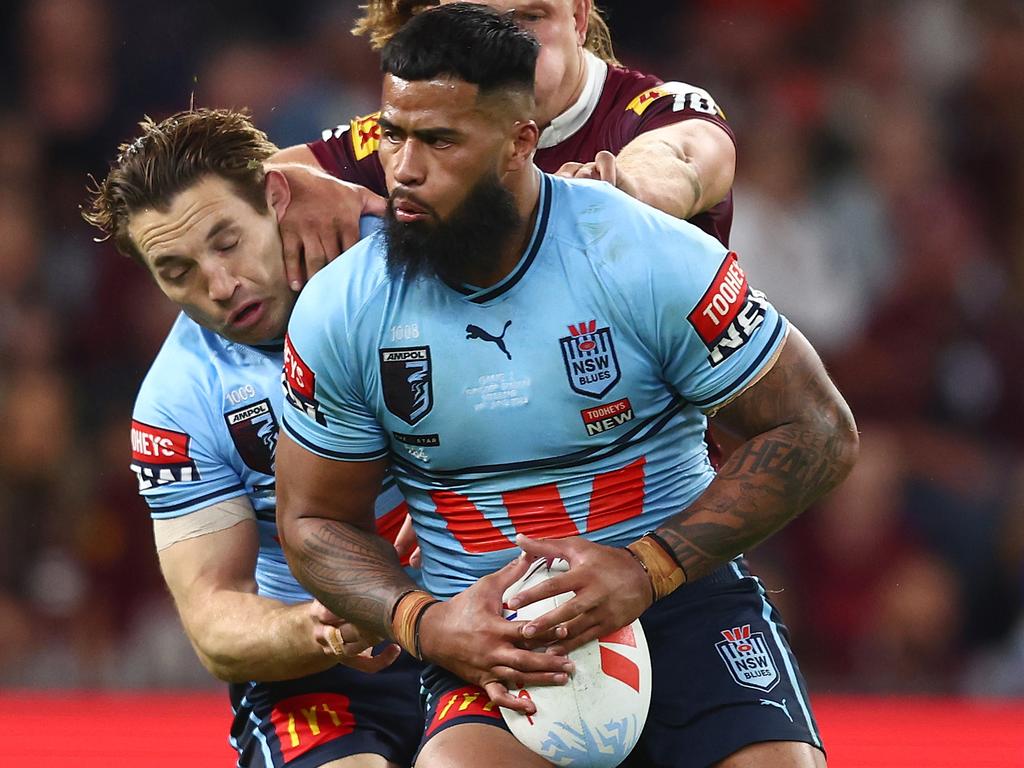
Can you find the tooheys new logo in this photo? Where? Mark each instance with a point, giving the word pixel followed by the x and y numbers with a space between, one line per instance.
pixel 299 384
pixel 160 456
pixel 728 313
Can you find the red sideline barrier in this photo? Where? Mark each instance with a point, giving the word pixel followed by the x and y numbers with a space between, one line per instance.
pixel 190 730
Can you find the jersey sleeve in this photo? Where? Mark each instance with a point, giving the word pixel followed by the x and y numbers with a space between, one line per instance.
pixel 350 152
pixel 666 104
pixel 711 331
pixel 176 458
pixel 325 409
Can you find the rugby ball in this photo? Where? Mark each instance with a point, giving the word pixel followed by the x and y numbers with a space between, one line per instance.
pixel 595 719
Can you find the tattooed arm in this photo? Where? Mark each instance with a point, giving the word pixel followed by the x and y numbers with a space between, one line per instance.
pixel 328 532
pixel 326 521
pixel 800 442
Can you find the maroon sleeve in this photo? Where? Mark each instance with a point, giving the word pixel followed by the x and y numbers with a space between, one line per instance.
pixel 647 104
pixel 644 103
pixel 350 153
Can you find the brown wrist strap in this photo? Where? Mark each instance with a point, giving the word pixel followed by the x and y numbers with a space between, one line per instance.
pixel 405 619
pixel 665 573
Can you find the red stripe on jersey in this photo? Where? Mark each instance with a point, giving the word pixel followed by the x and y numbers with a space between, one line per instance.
pixel 539 512
pixel 306 721
pixel 617 496
pixel 390 523
pixel 467 524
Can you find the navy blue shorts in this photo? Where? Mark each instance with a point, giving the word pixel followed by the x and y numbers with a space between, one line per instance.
pixel 724 677
pixel 312 720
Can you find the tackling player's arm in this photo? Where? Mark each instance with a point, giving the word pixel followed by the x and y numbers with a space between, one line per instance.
pixel 800 442
pixel 682 169
pixel 322 218
pixel 326 521
pixel 237 634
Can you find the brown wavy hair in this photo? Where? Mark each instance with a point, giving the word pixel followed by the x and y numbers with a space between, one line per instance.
pixel 382 18
pixel 169 156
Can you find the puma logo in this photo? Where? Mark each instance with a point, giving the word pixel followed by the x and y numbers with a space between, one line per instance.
pixel 782 706
pixel 476 332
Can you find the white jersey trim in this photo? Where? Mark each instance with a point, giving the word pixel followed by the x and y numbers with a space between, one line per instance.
pixel 576 116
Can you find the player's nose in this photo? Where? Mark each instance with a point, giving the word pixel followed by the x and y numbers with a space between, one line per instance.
pixel 409 167
pixel 220 282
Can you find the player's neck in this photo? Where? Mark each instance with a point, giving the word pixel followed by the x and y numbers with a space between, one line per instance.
pixel 573 89
pixel 525 187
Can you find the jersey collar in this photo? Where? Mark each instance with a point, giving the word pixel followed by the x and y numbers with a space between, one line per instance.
pixel 570 121
pixel 277 345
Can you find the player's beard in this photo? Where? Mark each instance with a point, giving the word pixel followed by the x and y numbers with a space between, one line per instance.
pixel 461 247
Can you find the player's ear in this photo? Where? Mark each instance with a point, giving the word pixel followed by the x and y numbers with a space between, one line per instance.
pixel 525 136
pixel 278 191
pixel 581 18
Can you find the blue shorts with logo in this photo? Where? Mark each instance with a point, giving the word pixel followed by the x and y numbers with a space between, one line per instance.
pixel 309 721
pixel 723 674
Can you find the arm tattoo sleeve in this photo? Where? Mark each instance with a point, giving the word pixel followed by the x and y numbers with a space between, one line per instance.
pixel 353 572
pixel 774 475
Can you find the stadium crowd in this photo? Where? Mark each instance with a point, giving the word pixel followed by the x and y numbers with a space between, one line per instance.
pixel 879 203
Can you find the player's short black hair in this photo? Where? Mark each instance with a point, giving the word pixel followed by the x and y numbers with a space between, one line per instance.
pixel 470 42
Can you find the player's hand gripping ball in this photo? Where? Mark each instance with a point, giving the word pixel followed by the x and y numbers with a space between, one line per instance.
pixel 596 718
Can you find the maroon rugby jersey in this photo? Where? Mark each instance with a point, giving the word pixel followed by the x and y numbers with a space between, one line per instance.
pixel 616 106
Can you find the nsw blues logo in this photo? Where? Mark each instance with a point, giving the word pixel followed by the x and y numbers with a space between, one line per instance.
pixel 590 361
pixel 405 376
pixel 254 432
pixel 748 658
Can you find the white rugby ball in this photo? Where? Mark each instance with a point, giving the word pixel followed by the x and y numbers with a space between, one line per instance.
pixel 595 719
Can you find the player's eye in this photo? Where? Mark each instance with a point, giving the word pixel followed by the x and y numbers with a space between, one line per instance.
pixel 528 18
pixel 226 246
pixel 177 274
pixel 391 135
pixel 437 143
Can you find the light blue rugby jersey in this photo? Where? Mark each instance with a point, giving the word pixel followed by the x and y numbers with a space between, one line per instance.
pixel 204 430
pixel 568 399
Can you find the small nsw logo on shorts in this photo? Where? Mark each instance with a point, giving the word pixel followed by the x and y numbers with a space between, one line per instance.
pixel 748 658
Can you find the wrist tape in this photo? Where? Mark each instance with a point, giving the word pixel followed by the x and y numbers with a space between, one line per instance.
pixel 405 619
pixel 664 571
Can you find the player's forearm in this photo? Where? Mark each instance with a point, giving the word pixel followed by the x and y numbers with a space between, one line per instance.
pixel 240 636
pixel 355 573
pixel 679 170
pixel 661 178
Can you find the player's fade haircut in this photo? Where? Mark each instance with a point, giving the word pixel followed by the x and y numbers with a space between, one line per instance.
pixel 470 42
pixel 383 18
pixel 168 157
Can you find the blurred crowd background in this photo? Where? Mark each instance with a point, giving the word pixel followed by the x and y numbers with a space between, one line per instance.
pixel 879 203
